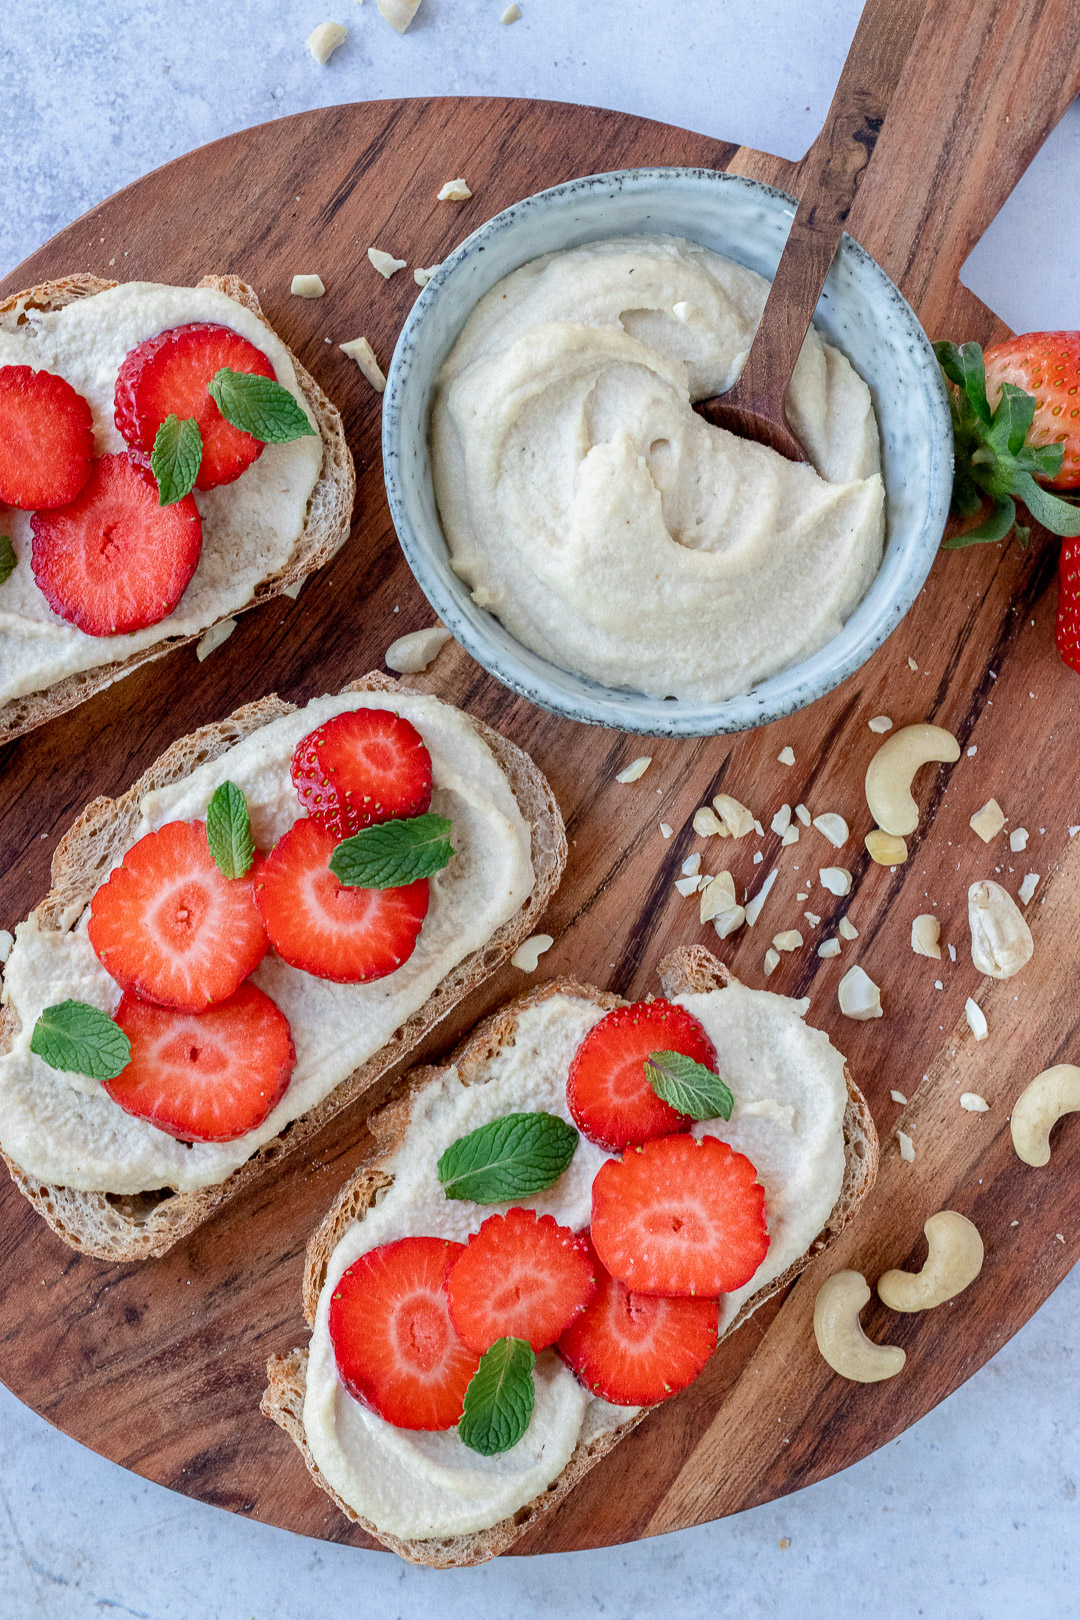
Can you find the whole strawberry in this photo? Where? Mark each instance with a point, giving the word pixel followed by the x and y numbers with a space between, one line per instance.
pixel 1068 612
pixel 1045 365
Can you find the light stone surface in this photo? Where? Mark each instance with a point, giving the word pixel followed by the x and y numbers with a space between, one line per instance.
pixel 973 1513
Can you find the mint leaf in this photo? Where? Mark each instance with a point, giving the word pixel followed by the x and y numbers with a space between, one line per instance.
pixel 228 831
pixel 81 1039
pixel 508 1158
pixel 259 406
pixel 8 558
pixel 176 458
pixel 689 1087
pixel 500 1398
pixel 393 853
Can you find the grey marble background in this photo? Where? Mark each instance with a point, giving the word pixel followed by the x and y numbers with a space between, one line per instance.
pixel 973 1514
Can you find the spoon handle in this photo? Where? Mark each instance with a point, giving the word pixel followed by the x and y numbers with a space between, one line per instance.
pixel 829 179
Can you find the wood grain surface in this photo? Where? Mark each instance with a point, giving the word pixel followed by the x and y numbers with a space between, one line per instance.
pixel 160 1367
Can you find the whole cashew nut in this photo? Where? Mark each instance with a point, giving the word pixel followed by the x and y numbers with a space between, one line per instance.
pixel 954 1259
pixel 1039 1107
pixel 839 1333
pixel 890 772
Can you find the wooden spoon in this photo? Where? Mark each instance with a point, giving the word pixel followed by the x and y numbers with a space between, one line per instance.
pixel 754 405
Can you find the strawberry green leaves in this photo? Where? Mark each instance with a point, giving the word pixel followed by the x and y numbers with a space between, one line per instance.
pixel 500 1398
pixel 393 853
pixel 8 558
pixel 994 461
pixel 688 1086
pixel 508 1158
pixel 228 831
pixel 81 1039
pixel 176 458
pixel 259 406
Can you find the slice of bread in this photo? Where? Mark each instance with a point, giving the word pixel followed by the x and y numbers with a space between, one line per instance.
pixel 143 1226
pixel 690 968
pixel 326 524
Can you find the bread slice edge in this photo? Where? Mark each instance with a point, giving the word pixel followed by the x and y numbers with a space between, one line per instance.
pixel 686 969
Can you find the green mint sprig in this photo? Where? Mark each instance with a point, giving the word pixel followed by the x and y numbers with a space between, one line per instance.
pixel 176 458
pixel 228 831
pixel 508 1158
pixel 393 853
pixel 81 1039
pixel 500 1398
pixel 259 406
pixel 8 558
pixel 993 460
pixel 689 1087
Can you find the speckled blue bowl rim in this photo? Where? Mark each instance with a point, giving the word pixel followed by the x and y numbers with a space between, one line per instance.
pixel 577 696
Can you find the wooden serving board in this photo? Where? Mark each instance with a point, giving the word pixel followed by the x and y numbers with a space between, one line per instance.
pixel 160 1367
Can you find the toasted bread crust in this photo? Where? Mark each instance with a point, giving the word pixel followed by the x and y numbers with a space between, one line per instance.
pixel 326 524
pixel 146 1225
pixel 689 968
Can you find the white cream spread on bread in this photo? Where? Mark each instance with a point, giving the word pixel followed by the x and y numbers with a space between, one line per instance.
pixel 609 527
pixel 415 1484
pixel 65 1130
pixel 250 527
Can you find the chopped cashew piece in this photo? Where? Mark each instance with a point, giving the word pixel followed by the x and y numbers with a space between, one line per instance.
pixel 1028 887
pixel 898 1097
pixel 688 885
pixel 454 191
pixel 323 41
pixel 666 829
pixel 408 655
pixel 753 906
pixel 307 287
pixel 692 864
pixel 790 940
pixel 859 996
pixel 837 879
pixel 886 848
pixel 214 637
pixel 421 276
pixel 786 756
pixel 926 936
pixel 1001 942
pixel 954 1259
pixel 636 769
pixel 988 821
pixel 812 918
pixel 385 263
pixel 707 823
pixel 398 13
pixel 360 350
pixel 728 921
pixel 781 821
pixel 834 828
pixel 880 723
pixel 906 1146
pixel 772 960
pixel 972 1103
pixel 803 814
pixel 512 14
pixel 839 1333
pixel 717 895
pixel 829 947
pixel 976 1019
pixel 530 951
pixel 912 665
pixel 847 929
pixel 889 774
pixel 735 816
pixel 1038 1108
pixel 790 837
pixel 1018 840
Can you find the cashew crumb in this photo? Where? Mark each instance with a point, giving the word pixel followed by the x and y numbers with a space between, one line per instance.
pixel 1018 840
pixel 926 936
pixel 754 905
pixel 859 996
pixel 972 1103
pixel 848 929
pixel 912 665
pixel 898 1097
pixel 688 885
pixel 906 1145
pixel 324 40
pixel 360 350
pixel 408 655
pixel 791 836
pixel 837 879
pixel 307 287
pixel 636 769
pixel 214 637
pixel 781 821
pixel 692 864
pixel 976 1019
pixel 988 821
pixel 880 723
pixel 530 951
pixel 1028 887
pixel 385 263
pixel 834 828
pixel 786 756
pixel 812 918
pixel 512 14
pixel 454 191
pixel 790 940
pixel 728 921
pixel 398 13
pixel 829 947
pixel 735 816
pixel 666 829
pixel 422 277
pixel 707 823
pixel 772 960
pixel 803 814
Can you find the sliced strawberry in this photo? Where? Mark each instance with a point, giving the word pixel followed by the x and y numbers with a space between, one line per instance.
pixel 170 927
pixel 1046 364
pixel 114 560
pixel 205 1077
pixel 607 1093
pixel 396 1347
pixel 46 439
pixel 521 1277
pixel 170 375
pixel 637 1349
pixel 363 766
pixel 680 1216
pixel 324 927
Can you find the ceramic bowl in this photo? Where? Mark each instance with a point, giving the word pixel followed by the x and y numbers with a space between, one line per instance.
pixel 861 312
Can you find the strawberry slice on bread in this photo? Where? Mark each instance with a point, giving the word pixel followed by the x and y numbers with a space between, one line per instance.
pixel 113 560
pixel 204 1077
pixel 395 1344
pixel 607 1090
pixel 170 927
pixel 680 1216
pixel 362 767
pixel 46 439
pixel 522 1276
pixel 170 375
pixel 638 1349
pixel 324 927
